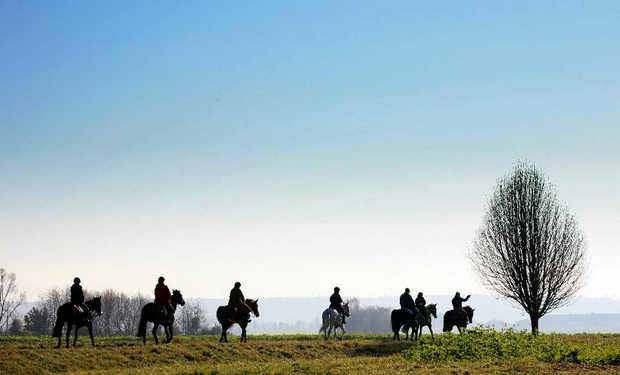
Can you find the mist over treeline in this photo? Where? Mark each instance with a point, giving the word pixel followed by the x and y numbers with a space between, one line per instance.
pixel 121 314
pixel 279 315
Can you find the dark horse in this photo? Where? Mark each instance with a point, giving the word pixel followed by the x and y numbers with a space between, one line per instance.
pixel 156 313
pixel 74 316
pixel 458 318
pixel 402 317
pixel 227 317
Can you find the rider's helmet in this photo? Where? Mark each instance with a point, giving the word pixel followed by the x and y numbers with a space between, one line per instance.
pixel 77 280
pixel 407 290
pixel 161 279
pixel 237 284
pixel 458 294
pixel 336 289
pixel 420 294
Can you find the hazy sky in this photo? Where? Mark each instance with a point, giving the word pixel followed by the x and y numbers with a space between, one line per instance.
pixel 295 146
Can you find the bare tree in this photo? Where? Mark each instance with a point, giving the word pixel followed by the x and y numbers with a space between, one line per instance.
pixel 192 319
pixel 530 250
pixel 10 299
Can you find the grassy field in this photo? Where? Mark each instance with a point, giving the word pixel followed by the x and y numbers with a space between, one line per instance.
pixel 479 352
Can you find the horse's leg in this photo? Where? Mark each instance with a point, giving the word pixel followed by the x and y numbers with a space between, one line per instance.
pixel 155 326
pixel 77 328
pixel 430 328
pixel 171 333
pixel 60 338
pixel 90 332
pixel 69 327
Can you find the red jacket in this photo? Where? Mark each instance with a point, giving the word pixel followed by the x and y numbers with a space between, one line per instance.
pixel 162 294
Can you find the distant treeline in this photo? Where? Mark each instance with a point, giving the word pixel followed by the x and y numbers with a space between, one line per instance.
pixel 121 314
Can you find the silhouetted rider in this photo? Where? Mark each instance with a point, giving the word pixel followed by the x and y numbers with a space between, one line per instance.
pixel 77 295
pixel 237 300
pixel 457 301
pixel 335 302
pixel 406 301
pixel 420 303
pixel 164 297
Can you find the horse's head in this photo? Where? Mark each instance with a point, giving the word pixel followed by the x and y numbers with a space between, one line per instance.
pixel 345 308
pixel 253 303
pixel 94 305
pixel 177 298
pixel 470 313
pixel 432 308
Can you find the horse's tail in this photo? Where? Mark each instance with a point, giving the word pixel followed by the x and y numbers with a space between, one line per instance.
pixel 325 319
pixel 143 321
pixel 57 332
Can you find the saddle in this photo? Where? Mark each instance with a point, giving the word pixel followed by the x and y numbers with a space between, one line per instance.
pixel 81 313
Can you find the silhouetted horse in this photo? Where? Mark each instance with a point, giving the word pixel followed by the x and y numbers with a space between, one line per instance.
pixel 158 314
pixel 426 319
pixel 458 318
pixel 74 316
pixel 332 319
pixel 228 316
pixel 405 319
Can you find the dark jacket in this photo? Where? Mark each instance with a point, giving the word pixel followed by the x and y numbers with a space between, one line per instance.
pixel 236 297
pixel 162 294
pixel 457 302
pixel 77 295
pixel 335 300
pixel 406 301
pixel 420 301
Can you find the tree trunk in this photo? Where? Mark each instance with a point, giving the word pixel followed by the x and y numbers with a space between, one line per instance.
pixel 534 321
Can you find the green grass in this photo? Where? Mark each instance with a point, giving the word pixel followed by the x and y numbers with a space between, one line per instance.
pixel 479 351
pixel 485 344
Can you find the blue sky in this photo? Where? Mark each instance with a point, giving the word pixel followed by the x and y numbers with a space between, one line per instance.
pixel 295 146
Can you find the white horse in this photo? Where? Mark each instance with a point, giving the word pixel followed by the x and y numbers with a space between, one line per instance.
pixel 423 320
pixel 333 320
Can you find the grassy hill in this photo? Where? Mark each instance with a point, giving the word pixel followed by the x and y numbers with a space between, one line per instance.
pixel 495 353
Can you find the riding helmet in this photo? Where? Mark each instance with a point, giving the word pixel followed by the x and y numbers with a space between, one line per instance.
pixel 336 289
pixel 161 279
pixel 77 280
pixel 237 284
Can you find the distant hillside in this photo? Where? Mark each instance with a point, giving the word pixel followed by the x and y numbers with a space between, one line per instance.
pixel 577 323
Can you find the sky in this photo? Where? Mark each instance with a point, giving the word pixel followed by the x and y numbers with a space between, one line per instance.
pixel 296 146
